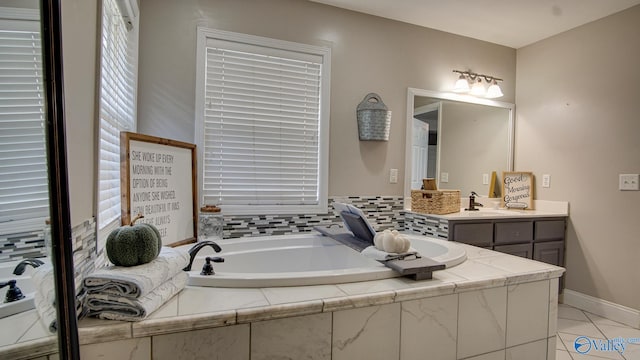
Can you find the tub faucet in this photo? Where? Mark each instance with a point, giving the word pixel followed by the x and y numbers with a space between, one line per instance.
pixel 195 248
pixel 14 293
pixel 22 265
pixel 472 202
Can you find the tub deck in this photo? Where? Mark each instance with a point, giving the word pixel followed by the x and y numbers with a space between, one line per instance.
pixel 332 314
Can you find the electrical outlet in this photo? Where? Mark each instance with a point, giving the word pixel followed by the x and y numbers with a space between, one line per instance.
pixel 444 177
pixel 546 180
pixel 393 176
pixel 485 179
pixel 629 182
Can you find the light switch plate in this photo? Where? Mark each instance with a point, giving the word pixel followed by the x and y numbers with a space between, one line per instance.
pixel 393 176
pixel 444 177
pixel 546 180
pixel 485 179
pixel 629 182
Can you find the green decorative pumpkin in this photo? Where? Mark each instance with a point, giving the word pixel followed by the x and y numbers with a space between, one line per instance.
pixel 133 244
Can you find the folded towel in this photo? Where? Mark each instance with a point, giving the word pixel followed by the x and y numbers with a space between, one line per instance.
pixel 112 307
pixel 137 281
pixel 45 297
pixel 374 253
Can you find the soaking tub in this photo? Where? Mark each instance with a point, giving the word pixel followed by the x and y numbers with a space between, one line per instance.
pixel 304 259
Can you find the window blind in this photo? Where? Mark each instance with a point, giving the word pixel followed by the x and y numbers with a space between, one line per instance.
pixel 262 125
pixel 24 193
pixel 118 73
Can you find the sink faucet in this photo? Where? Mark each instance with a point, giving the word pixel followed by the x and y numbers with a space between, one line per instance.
pixel 22 265
pixel 195 248
pixel 472 202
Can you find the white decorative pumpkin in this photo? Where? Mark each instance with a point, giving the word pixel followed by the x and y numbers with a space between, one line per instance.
pixel 391 241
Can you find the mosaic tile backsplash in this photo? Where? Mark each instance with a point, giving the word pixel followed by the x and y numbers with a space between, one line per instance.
pixel 22 245
pixel 382 211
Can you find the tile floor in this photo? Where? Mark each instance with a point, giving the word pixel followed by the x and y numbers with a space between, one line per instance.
pixel 573 323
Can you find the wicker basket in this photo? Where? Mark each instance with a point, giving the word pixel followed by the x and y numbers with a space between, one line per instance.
pixel 374 119
pixel 437 202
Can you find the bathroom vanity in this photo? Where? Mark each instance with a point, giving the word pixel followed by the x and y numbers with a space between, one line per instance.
pixel 532 234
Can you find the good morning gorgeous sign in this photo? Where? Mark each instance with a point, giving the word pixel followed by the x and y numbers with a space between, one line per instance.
pixel 517 190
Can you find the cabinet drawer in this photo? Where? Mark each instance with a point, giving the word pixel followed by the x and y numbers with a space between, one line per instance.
pixel 514 232
pixel 522 250
pixel 546 230
pixel 551 252
pixel 473 234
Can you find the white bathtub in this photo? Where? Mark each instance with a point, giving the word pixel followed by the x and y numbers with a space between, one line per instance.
pixel 304 259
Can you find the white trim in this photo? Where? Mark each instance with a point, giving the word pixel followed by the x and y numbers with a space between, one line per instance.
pixel 206 34
pixel 604 308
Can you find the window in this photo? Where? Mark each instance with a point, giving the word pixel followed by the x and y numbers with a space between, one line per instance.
pixel 118 79
pixel 24 190
pixel 262 123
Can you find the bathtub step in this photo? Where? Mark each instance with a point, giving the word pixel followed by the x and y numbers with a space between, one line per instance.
pixel 417 269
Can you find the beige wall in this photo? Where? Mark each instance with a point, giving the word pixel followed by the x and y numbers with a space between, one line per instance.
pixel 369 54
pixel 578 100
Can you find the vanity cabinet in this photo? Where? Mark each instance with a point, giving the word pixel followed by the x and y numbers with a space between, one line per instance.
pixel 541 239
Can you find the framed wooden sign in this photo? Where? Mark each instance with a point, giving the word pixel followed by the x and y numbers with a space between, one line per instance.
pixel 517 190
pixel 158 180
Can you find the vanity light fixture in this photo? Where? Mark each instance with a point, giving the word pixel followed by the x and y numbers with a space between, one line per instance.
pixel 494 90
pixel 478 88
pixel 462 85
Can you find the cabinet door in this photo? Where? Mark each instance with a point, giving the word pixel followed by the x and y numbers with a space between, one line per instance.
pixel 522 250
pixel 549 252
pixel 547 230
pixel 514 232
pixel 473 234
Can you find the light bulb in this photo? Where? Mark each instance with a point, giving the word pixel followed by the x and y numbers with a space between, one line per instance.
pixel 462 85
pixel 494 91
pixel 478 88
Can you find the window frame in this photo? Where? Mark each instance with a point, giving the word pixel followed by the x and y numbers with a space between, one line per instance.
pixel 129 11
pixel 204 34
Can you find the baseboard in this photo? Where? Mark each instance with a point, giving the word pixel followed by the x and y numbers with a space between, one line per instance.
pixel 604 308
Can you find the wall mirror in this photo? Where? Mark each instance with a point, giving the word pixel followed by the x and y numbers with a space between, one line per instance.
pixel 32 140
pixel 456 139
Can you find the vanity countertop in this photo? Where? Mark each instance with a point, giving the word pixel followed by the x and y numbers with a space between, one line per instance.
pixel 25 336
pixel 542 208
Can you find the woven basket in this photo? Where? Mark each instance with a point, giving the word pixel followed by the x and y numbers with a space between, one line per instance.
pixel 374 119
pixel 437 202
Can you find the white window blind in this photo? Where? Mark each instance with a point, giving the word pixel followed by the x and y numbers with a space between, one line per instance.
pixel 118 79
pixel 262 131
pixel 24 193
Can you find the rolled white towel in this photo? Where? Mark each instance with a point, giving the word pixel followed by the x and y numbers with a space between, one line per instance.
pixel 112 307
pixel 137 281
pixel 45 297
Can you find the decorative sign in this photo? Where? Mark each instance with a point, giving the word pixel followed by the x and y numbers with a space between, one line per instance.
pixel 158 181
pixel 517 190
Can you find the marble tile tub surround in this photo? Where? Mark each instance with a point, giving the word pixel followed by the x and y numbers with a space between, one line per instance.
pixel 442 307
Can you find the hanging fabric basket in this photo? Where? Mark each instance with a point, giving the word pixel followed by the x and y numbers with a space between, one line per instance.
pixel 374 119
